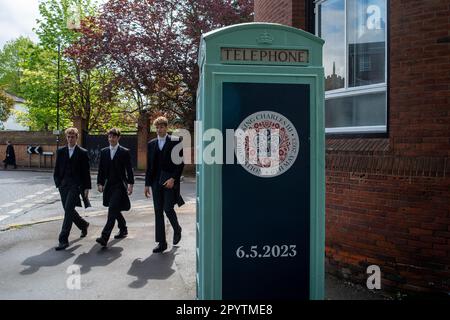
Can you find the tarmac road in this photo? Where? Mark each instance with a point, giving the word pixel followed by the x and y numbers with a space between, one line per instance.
pixel 27 197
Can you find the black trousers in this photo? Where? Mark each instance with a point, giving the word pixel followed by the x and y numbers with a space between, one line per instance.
pixel 164 201
pixel 115 202
pixel 9 161
pixel 70 195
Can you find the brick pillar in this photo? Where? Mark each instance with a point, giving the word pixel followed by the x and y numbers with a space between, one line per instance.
pixel 143 137
pixel 81 124
pixel 299 15
pixel 287 12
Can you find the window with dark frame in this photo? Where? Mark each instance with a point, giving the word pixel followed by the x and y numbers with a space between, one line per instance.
pixel 355 64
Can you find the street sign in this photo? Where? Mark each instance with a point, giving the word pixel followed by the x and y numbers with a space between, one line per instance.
pixel 260 212
pixel 34 149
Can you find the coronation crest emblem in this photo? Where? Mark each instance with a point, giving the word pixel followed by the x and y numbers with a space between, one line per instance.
pixel 267 144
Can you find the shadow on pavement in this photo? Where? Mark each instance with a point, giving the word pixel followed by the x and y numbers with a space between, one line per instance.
pixel 156 266
pixel 48 258
pixel 98 256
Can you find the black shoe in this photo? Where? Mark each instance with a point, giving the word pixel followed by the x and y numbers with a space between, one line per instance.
pixel 160 247
pixel 121 234
pixel 61 246
pixel 101 241
pixel 177 237
pixel 84 230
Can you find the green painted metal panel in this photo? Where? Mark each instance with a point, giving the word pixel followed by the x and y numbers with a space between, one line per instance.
pixel 213 73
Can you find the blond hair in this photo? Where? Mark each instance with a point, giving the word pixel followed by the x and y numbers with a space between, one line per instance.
pixel 71 131
pixel 161 120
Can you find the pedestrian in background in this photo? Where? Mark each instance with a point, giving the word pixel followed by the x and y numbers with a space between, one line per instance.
pixel 10 158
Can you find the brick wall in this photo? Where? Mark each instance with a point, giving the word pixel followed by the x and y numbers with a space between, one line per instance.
pixel 390 211
pixel 391 206
pixel 22 139
pixel 389 221
pixel 143 137
pixel 388 199
pixel 287 12
pixel 420 77
pixel 299 15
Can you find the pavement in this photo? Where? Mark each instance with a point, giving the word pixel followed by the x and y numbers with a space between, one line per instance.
pixel 126 269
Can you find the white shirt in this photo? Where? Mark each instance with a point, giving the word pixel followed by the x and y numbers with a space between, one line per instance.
pixel 71 150
pixel 113 150
pixel 161 142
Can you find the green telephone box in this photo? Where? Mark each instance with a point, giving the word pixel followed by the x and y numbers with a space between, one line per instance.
pixel 260 164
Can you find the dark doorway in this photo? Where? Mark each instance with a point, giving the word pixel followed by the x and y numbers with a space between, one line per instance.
pixel 95 142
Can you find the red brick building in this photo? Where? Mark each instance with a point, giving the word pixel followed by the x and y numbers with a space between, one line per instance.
pixel 387 67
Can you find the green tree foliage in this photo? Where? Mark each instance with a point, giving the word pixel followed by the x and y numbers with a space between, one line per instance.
pixel 59 21
pixel 29 71
pixel 127 58
pixel 38 87
pixel 87 90
pixel 152 46
pixel 6 105
pixel 12 56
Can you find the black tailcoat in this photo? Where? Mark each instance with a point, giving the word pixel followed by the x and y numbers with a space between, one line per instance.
pixel 80 168
pixel 168 167
pixel 120 167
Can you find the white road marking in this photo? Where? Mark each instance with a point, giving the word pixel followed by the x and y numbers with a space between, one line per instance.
pixel 15 211
pixel 141 207
pixel 7 205
pixel 20 200
pixel 28 205
pixel 3 217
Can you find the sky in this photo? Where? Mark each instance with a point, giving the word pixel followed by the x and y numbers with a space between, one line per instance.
pixel 333 29
pixel 18 17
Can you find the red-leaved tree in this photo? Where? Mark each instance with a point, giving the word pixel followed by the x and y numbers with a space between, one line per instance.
pixel 151 46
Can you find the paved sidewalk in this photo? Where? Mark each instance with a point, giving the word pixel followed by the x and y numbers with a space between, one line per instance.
pixel 127 269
